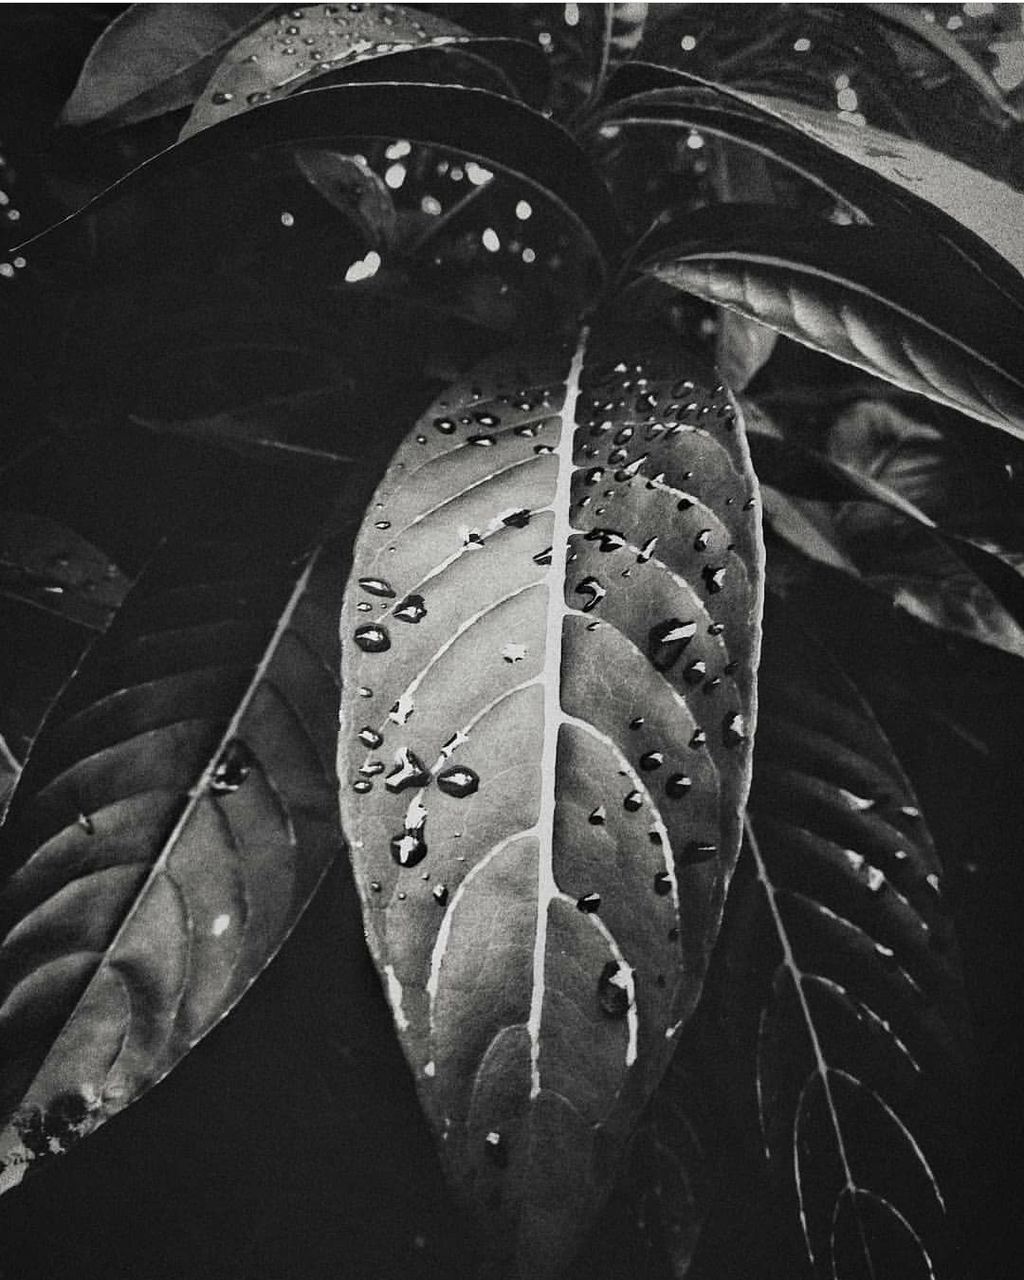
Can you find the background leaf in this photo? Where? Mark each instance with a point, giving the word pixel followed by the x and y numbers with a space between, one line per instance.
pixel 155 58
pixel 516 780
pixel 170 826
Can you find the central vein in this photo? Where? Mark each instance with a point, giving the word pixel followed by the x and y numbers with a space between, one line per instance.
pixel 551 676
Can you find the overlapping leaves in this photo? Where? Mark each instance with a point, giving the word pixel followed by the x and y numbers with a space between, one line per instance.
pixel 549 639
pixel 173 820
pixel 850 989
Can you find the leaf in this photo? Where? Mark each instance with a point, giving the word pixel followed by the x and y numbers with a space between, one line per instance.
pixel 173 820
pixel 10 771
pixel 549 641
pixel 851 987
pixel 503 134
pixel 860 295
pixel 889 178
pixel 51 567
pixel 289 51
pixel 351 186
pixel 154 58
pixel 281 428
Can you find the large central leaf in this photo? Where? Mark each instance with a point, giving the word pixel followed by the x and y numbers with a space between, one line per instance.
pixel 549 642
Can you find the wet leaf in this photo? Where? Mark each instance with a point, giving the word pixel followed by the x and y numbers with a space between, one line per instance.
pixel 172 821
pixel 293 48
pixel 851 987
pixel 10 771
pixel 861 295
pixel 51 567
pixel 549 640
pixel 155 58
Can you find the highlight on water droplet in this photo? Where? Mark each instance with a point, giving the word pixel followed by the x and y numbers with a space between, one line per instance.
pixel 409 848
pixel 377 587
pixel 615 989
pixel 458 781
pixel 232 768
pixel 372 639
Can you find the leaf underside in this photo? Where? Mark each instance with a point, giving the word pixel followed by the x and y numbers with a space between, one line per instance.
pixel 851 984
pixel 549 641
pixel 174 818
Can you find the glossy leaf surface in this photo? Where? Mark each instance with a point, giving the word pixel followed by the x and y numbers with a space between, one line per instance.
pixel 155 58
pixel 860 295
pixel 549 643
pixel 173 820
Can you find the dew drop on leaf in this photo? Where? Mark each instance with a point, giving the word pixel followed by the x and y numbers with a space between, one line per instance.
pixel 495 1148
pixel 589 903
pixel 440 894
pixel 695 671
pixel 409 771
pixel 698 738
pixel 593 590
pixel 369 737
pixel 598 816
pixel 377 587
pixel 652 760
pixel 458 781
pixel 409 848
pixel 606 539
pixel 667 640
pixel 679 784
pixel 411 609
pixel 633 801
pixel 700 542
pixel 662 884
pixel 372 639
pixel 735 730
pixel 232 767
pixel 615 989
pixel 362 786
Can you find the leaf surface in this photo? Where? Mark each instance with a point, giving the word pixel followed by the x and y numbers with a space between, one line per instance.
pixel 154 58
pixel 852 984
pixel 549 644
pixel 503 134
pixel 55 569
pixel 860 295
pixel 291 49
pixel 172 821
pixel 882 173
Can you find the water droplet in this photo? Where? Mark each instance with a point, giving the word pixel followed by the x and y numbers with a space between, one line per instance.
pixel 695 671
pixel 593 590
pixel 716 628
pixel 698 738
pixel 364 606
pixel 517 519
pixel 382 524
pixel 617 456
pixel 698 851
pixel 615 989
pixel 254 99
pixel 606 539
pixel 662 884
pixel 734 730
pixel 482 442
pixel 623 437
pixel 874 880
pixel 667 640
pixel 372 639
pixel 362 786
pixel 409 771
pixel 594 476
pixel 637 722
pixel 458 781
pixel 487 419
pixel 714 579
pixel 409 848
pixel 219 99
pixel 886 955
pixel 598 816
pixel 495 1149
pixel 440 894
pixel 633 801
pixel 377 587
pixel 647 550
pixel 700 542
pixel 375 886
pixel 86 823
pixel 589 903
pixel 371 768
pixel 678 785
pixel 370 737
pixel 543 448
pixel 445 425
pixel 232 767
pixel 411 609
pixel 652 760
pixel 287 219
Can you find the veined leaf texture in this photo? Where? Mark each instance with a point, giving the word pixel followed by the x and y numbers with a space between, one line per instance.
pixel 549 642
